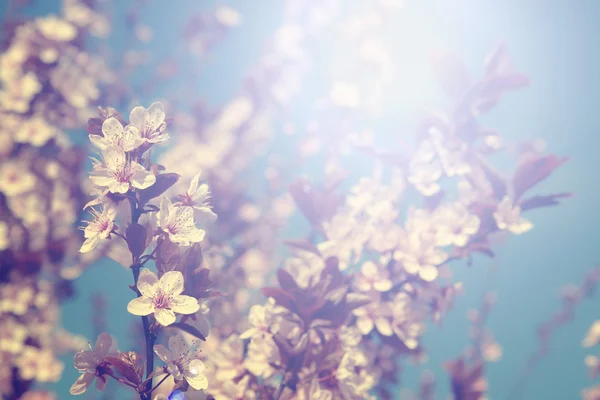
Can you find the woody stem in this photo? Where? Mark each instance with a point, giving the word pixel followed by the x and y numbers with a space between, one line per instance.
pixel 135 269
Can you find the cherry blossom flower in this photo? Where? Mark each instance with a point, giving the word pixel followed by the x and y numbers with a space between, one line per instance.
pixel 178 223
pixel 372 277
pixel 183 362
pixel 456 225
pixel 99 228
pixel 197 197
pixel 35 131
pixel 374 315
pixel 127 138
pixel 15 179
pixel 87 362
pixel 420 257
pixel 162 297
pixel 508 217
pixel 353 378
pixel 150 123
pixel 119 174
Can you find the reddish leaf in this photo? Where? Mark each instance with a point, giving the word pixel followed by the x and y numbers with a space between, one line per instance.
pixel 163 182
pixel 281 297
pixel 189 329
pixel 496 180
pixel 533 171
pixel 136 239
pixel 543 201
pixel 286 280
pixel 126 367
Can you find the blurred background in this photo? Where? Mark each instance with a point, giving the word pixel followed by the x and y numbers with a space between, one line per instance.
pixel 554 43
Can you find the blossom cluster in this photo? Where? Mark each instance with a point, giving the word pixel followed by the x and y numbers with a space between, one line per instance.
pixel 330 313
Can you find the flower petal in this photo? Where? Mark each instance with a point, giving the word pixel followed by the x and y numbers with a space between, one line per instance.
pixel 141 306
pixel 164 316
pixel 115 158
pixel 131 138
pixel 101 177
pixel 163 353
pixel 194 184
pixel 103 344
pixel 112 130
pixel 147 283
pixel 195 375
pixel 163 214
pixel 89 244
pixel 85 360
pixel 82 383
pixel 171 283
pixel 185 305
pixel 156 115
pixel 142 178
pixel 138 117
pixel 99 142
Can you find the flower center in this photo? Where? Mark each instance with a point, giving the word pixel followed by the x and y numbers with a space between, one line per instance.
pixel 161 300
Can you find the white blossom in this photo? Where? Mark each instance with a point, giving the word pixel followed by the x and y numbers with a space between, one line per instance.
pixel 119 173
pixel 127 138
pixel 150 123
pixel 99 228
pixel 162 297
pixel 178 223
pixel 183 362
pixel 87 362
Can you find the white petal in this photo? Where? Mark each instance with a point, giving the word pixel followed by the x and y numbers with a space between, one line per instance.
pixel 364 325
pixel 85 360
pixel 118 187
pixel 138 117
pixel 131 138
pixel 112 130
pixel 184 305
pixel 99 142
pixel 147 283
pixel 101 177
pixel 164 212
pixel 89 244
pixel 142 178
pixel 141 306
pixel 163 353
pixel 383 326
pixel 82 383
pixel 164 317
pixel 171 283
pixel 194 184
pixel 103 344
pixel 188 236
pixel 115 158
pixel 428 273
pixel 195 376
pixel 182 218
pixel 156 115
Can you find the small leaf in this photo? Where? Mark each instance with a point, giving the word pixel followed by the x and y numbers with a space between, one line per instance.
pixel 543 201
pixel 189 329
pixel 163 182
pixel 286 280
pixel 126 367
pixel 281 297
pixel 533 171
pixel 167 256
pixel 136 239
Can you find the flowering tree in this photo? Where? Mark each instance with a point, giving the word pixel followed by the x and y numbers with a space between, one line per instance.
pixel 327 312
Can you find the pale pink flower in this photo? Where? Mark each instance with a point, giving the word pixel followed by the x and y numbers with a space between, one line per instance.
pixel 183 361
pixel 99 228
pixel 178 223
pixel 87 362
pixel 127 138
pixel 119 174
pixel 162 297
pixel 197 197
pixel 508 217
pixel 372 277
pixel 15 179
pixel 150 123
